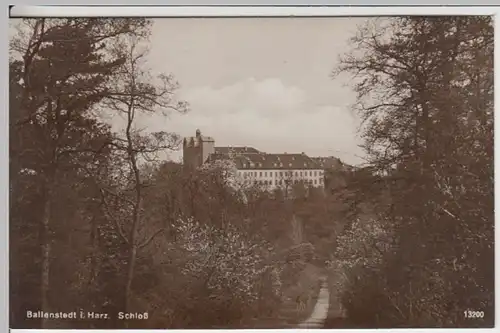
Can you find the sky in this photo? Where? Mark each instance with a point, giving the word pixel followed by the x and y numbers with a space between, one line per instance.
pixel 260 82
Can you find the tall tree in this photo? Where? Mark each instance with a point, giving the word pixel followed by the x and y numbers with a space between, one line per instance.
pixel 61 74
pixel 134 92
pixel 425 93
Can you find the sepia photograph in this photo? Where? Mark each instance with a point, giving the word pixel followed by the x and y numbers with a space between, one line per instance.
pixel 251 172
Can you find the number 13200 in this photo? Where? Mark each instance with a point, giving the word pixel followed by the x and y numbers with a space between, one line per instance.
pixel 474 314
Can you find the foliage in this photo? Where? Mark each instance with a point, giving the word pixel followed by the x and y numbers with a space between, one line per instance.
pixel 99 222
pixel 226 170
pixel 59 75
pixel 425 92
pixel 226 259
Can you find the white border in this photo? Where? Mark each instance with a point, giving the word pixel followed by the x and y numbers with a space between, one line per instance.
pixel 247 11
pixel 237 11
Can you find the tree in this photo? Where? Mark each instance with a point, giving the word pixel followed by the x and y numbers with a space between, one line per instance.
pixel 228 264
pixel 133 92
pixel 425 90
pixel 59 74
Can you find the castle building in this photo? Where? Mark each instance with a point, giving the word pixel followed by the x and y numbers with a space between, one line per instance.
pixel 269 170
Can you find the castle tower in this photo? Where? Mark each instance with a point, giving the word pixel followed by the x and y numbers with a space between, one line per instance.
pixel 197 149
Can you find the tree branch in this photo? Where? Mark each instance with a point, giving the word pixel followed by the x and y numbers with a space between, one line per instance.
pixel 150 239
pixel 113 219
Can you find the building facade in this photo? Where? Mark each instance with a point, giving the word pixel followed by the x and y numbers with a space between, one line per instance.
pixel 271 171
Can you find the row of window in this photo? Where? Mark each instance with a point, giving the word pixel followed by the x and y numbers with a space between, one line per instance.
pixel 283 173
pixel 276 165
pixel 284 182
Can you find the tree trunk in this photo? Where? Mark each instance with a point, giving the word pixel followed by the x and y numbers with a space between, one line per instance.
pixel 130 275
pixel 94 237
pixel 45 244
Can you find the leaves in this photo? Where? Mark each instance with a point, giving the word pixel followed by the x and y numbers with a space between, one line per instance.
pixel 425 94
pixel 225 258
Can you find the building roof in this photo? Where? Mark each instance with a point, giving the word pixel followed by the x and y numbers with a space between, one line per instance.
pixel 236 150
pixel 194 141
pixel 329 162
pixel 269 161
pixel 205 138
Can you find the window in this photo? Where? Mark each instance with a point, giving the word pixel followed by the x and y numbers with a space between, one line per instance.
pixel 310 173
pixel 265 174
pixel 290 165
pixel 296 173
pixel 260 174
pixel 315 181
pixel 315 173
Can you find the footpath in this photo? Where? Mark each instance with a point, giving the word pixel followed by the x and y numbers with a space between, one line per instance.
pixel 320 311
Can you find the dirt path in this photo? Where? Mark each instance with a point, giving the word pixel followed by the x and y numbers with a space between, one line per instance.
pixel 320 311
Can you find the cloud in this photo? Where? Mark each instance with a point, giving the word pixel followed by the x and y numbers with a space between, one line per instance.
pixel 268 115
pixel 269 98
